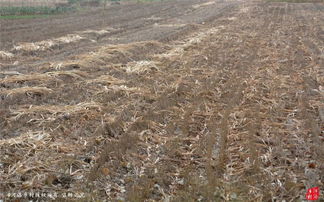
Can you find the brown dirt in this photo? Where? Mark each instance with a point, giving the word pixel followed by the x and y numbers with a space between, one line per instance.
pixel 175 101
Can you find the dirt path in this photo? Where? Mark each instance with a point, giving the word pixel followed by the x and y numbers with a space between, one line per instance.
pixel 229 109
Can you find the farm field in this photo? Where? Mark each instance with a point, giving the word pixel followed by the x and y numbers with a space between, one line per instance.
pixel 50 3
pixel 184 100
pixel 29 9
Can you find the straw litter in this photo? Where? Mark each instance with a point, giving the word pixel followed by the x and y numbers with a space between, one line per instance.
pixel 203 4
pixel 47 44
pixel 6 55
pixel 52 111
pixel 27 139
pixel 143 66
pixel 27 91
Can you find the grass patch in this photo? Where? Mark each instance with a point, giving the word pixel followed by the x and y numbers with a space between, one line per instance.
pixel 28 11
pixel 10 17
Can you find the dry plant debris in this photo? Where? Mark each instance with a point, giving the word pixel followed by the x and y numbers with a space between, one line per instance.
pixel 54 110
pixel 47 44
pixel 26 91
pixel 230 111
pixel 140 67
pixel 203 4
pixel 6 55
pixel 99 32
pixel 24 78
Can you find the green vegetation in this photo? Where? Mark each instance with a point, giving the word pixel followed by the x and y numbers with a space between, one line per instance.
pixel 20 12
pixel 27 11
pixel 9 17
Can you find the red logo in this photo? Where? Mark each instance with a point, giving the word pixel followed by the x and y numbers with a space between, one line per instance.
pixel 313 193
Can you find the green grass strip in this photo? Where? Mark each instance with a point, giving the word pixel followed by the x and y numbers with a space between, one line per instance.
pixel 9 17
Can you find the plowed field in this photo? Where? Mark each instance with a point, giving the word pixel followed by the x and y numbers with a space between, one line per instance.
pixel 164 101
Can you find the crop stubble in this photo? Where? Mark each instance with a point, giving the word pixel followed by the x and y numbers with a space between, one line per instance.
pixel 230 111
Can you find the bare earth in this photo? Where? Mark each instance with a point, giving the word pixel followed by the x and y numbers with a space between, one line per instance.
pixel 174 101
